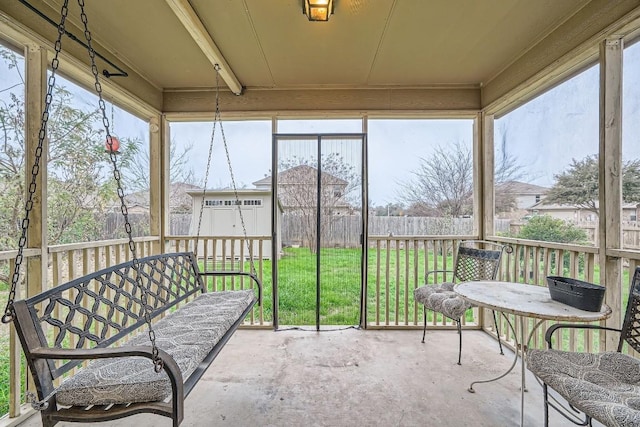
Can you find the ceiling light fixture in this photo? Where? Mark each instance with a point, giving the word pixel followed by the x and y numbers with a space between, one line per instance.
pixel 317 10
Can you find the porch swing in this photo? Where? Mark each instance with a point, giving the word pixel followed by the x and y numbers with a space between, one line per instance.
pixel 79 321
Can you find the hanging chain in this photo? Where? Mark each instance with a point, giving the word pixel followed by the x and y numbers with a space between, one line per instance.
pixel 233 179
pixel 157 361
pixel 206 174
pixel 35 170
pixel 217 119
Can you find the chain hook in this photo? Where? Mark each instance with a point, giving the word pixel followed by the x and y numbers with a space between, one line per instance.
pixel 8 317
pixel 38 405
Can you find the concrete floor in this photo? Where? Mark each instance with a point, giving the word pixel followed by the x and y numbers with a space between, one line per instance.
pixel 353 377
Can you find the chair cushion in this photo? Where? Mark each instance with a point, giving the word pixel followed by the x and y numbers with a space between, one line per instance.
pixel 605 386
pixel 442 299
pixel 188 335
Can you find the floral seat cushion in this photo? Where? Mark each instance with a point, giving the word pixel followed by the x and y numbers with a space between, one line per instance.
pixel 188 335
pixel 442 299
pixel 605 386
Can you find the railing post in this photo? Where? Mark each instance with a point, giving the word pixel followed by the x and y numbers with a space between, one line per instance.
pixel 14 364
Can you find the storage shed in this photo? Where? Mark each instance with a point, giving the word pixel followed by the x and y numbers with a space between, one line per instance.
pixel 221 223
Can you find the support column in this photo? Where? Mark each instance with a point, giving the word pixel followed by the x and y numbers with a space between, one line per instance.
pixel 164 181
pixel 610 180
pixel 155 183
pixel 365 223
pixel 486 189
pixel 36 87
pixel 36 267
pixel 483 192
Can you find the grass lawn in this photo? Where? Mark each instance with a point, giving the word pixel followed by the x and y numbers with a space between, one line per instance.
pixel 340 286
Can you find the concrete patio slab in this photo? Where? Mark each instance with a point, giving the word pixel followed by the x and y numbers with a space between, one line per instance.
pixel 355 377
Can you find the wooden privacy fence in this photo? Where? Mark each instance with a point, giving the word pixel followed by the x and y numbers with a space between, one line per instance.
pixel 630 232
pixel 113 224
pixel 345 231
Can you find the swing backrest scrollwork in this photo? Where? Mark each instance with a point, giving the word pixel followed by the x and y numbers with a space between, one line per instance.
pixel 101 308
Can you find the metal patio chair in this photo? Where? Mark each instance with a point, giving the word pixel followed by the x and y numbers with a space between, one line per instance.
pixel 602 386
pixel 475 260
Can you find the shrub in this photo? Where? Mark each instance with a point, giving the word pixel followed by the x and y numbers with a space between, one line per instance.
pixel 548 229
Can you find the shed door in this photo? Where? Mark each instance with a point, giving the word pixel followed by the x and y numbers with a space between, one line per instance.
pixel 227 222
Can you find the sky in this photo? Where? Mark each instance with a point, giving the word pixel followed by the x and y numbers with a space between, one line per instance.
pixel 543 135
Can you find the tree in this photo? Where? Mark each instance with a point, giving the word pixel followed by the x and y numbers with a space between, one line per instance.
pixel 78 168
pixel 180 169
pixel 298 192
pixel 507 172
pixel 181 175
pixel 579 185
pixel 444 182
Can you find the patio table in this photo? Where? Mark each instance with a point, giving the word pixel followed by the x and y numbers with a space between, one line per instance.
pixel 524 301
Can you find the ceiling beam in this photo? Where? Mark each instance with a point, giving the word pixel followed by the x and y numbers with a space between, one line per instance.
pixel 188 17
pixel 406 101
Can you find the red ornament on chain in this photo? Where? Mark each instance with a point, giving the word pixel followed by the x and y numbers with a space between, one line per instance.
pixel 112 144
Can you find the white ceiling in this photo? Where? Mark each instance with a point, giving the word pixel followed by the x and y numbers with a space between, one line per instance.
pixel 372 55
pixel 366 43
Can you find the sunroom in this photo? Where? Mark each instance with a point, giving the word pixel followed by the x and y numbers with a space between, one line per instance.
pixel 413 125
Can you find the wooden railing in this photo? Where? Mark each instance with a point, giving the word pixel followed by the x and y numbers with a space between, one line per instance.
pixel 396 266
pixel 68 262
pixel 9 343
pixel 532 261
pixel 233 253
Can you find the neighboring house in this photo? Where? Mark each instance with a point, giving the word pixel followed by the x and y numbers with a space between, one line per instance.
pixel 572 213
pixel 298 191
pixel 525 195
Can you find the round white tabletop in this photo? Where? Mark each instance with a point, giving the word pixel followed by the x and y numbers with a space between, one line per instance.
pixel 525 300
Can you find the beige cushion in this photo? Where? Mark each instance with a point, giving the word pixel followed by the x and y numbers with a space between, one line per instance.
pixel 442 299
pixel 187 334
pixel 605 386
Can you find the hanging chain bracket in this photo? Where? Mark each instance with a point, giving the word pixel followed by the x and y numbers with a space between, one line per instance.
pixel 105 72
